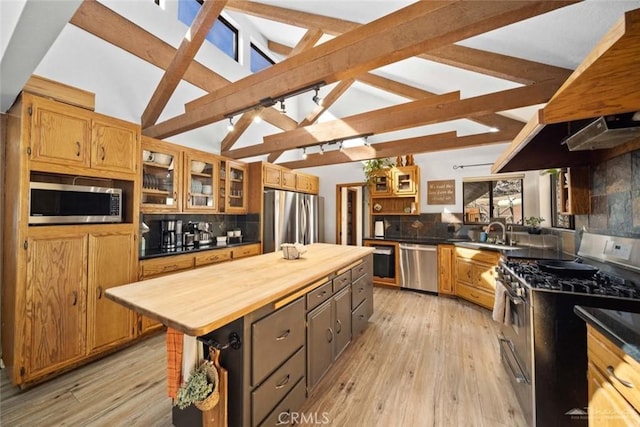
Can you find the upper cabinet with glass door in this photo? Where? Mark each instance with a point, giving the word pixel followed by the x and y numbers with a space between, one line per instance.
pixel 404 180
pixel 161 176
pixel 381 183
pixel 235 187
pixel 201 185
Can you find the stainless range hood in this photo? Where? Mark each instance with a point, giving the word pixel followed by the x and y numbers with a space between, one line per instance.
pixel 606 132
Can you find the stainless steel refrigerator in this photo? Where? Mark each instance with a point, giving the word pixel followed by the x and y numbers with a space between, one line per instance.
pixel 291 217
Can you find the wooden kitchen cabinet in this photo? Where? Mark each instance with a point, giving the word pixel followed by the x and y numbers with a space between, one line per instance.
pixel 289 180
pixel 614 399
pixel 56 286
pixel 320 342
pixel 574 188
pixel 272 176
pixel 63 135
pixel 204 183
pixel 475 275
pixel 395 191
pixel 446 263
pixel 307 183
pixel 405 179
pixel 236 187
pixel 161 181
pixel 111 263
pixel 381 183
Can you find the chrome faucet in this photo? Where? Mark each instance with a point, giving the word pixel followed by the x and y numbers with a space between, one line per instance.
pixel 504 231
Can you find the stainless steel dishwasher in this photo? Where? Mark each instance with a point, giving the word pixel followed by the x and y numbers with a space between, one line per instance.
pixel 419 267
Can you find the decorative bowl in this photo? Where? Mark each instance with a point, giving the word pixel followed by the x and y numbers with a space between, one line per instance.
pixel 197 166
pixel 161 159
pixel 146 155
pixel 377 207
pixel 196 186
pixel 221 239
pixel 207 189
pixel 237 233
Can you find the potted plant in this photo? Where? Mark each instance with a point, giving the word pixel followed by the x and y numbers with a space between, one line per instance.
pixel 371 166
pixel 534 224
pixel 200 388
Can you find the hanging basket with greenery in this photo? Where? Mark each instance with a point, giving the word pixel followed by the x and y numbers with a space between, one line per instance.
pixel 372 166
pixel 201 388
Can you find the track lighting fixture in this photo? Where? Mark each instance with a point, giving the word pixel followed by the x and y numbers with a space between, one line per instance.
pixel 304 153
pixel 321 150
pixel 366 141
pixel 283 109
pixel 341 148
pixel 230 125
pixel 316 98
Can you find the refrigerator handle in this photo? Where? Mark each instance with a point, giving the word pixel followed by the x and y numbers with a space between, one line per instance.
pixel 303 220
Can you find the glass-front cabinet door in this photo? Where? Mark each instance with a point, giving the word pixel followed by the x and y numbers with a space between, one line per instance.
pixel 201 184
pixel 161 176
pixel 236 187
pixel 380 184
pixel 404 180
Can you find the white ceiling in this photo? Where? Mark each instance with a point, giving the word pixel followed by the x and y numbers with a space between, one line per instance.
pixel 123 84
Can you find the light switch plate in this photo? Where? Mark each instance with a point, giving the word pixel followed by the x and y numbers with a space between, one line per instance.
pixel 617 250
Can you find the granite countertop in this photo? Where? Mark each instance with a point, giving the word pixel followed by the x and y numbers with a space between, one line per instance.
pixel 157 252
pixel 525 252
pixel 199 301
pixel 621 327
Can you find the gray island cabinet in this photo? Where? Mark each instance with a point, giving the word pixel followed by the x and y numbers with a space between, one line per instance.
pixel 293 319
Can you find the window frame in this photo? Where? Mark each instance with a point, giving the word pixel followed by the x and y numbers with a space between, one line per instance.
pixel 489 182
pixel 253 47
pixel 221 19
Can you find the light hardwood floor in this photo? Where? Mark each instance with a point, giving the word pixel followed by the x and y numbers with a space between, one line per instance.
pixel 423 361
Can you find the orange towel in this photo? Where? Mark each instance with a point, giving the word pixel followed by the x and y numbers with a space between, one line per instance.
pixel 174 362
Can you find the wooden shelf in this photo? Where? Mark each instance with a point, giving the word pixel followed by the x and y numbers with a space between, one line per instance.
pixel 156 165
pixel 202 174
pixel 153 191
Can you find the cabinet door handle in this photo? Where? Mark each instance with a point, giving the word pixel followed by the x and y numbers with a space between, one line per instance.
pixel 104 153
pixel 473 294
pixel 78 148
pixel 189 197
pixel 329 335
pixel 75 298
pixel 175 196
pixel 99 292
pixel 339 327
pixel 625 383
pixel 283 335
pixel 283 381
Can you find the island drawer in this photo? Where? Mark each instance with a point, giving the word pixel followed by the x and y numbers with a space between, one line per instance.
pixel 358 291
pixel 211 257
pixel 282 414
pixel 275 338
pixel 341 281
pixel 359 320
pixel 319 295
pixel 361 269
pixel 270 392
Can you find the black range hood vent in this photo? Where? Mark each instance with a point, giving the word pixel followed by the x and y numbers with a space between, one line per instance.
pixel 605 132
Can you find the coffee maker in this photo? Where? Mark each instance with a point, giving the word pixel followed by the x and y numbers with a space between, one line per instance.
pixel 168 235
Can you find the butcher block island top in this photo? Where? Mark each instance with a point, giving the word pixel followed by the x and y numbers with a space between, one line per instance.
pixel 199 301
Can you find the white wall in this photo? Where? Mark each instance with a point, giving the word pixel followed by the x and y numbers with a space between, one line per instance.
pixel 433 166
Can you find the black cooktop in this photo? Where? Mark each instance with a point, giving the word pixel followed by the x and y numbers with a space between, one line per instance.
pixel 600 284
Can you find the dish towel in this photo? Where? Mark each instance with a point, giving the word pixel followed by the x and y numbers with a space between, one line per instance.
pixel 500 304
pixel 174 362
pixel 192 356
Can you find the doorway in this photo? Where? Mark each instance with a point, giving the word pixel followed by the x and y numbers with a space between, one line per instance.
pixel 350 218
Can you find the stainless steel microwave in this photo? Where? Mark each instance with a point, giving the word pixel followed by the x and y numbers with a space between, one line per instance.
pixel 73 204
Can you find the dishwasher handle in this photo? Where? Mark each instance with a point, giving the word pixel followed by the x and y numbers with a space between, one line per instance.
pixel 423 248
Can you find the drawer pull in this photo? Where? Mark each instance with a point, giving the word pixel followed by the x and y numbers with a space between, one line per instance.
pixel 283 381
pixel 329 335
pixel 170 267
pixel 361 289
pixel 283 335
pixel 321 294
pixel 620 380
pixel 473 294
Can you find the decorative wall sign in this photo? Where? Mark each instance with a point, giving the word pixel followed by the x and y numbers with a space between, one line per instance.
pixel 441 192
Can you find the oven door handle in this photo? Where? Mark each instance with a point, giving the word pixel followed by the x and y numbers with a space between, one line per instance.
pixel 512 296
pixel 520 378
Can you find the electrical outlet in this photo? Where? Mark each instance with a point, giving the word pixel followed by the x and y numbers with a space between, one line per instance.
pixel 617 250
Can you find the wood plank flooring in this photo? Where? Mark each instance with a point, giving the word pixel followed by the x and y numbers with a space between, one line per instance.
pixel 423 361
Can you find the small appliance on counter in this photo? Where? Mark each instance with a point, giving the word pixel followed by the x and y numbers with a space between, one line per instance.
pixel 168 234
pixel 179 235
pixel 378 229
pixel 205 237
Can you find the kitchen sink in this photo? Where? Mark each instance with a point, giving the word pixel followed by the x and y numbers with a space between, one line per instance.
pixel 482 245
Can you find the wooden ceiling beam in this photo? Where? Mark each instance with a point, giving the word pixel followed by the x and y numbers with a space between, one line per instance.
pixel 417 145
pixel 407 32
pixel 188 49
pixel 311 118
pixel 492 64
pixel 417 113
pixel 107 25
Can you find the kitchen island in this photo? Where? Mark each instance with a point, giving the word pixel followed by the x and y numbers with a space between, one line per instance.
pixel 293 319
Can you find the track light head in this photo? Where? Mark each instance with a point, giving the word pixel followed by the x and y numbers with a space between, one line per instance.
pixel 257 118
pixel 283 109
pixel 321 150
pixel 230 126
pixel 304 153
pixel 366 142
pixel 341 148
pixel 316 98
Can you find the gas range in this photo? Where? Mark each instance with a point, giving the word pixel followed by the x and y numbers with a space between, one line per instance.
pixel 528 273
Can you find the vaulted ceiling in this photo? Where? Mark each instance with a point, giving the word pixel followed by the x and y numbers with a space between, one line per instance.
pixel 430 75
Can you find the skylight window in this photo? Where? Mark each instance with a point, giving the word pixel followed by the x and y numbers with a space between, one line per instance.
pixel 223 35
pixel 259 59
